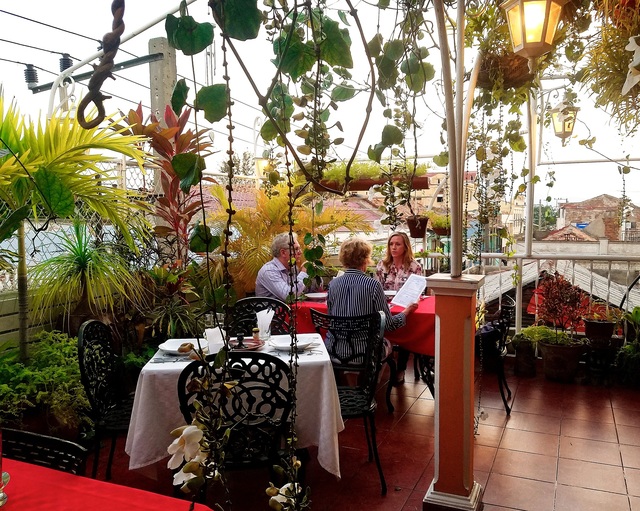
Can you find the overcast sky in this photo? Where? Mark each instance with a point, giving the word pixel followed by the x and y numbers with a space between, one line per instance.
pixel 38 31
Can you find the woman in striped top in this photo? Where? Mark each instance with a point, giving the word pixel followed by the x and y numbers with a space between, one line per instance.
pixel 357 294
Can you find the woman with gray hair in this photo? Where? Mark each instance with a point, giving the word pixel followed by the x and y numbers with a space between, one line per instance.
pixel 273 277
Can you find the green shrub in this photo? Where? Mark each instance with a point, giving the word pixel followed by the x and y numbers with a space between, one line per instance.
pixel 49 383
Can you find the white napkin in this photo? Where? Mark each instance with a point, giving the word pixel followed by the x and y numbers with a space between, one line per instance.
pixel 264 318
pixel 215 339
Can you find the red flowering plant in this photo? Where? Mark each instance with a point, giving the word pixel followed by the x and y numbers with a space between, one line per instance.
pixel 562 307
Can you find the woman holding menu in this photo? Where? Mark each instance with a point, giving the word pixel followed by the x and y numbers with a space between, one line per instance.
pixel 392 272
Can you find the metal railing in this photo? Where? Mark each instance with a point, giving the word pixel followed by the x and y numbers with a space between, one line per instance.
pixel 606 277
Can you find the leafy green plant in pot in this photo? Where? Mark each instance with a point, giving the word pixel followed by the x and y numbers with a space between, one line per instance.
pixel 85 279
pixel 628 358
pixel 562 306
pixel 45 394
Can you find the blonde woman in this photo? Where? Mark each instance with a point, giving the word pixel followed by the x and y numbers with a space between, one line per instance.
pixel 398 263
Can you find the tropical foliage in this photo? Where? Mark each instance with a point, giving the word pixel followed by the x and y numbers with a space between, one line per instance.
pixel 255 227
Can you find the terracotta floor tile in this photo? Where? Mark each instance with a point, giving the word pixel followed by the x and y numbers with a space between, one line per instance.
pixel 632 475
pixel 625 398
pixel 590 450
pixel 530 441
pixel 603 431
pixel 488 435
pixel 519 493
pixel 534 422
pixel 423 407
pixel 481 477
pixel 630 456
pixel 626 417
pixel 426 478
pixel 414 502
pixel 571 497
pixel 629 435
pixel 635 503
pixel 532 405
pixel 524 464
pixel 587 411
pixel 595 476
pixel 483 457
pixel 416 424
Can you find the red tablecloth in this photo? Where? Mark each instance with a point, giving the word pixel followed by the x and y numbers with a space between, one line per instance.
pixel 35 488
pixel 418 335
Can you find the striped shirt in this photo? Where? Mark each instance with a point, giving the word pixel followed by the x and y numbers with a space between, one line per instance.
pixel 356 294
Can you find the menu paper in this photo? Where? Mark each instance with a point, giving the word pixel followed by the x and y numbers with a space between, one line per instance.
pixel 410 291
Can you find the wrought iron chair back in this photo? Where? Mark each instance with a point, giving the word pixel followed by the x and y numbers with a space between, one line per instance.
pixel 355 344
pixel 101 375
pixel 254 397
pixel 492 340
pixel 44 450
pixel 244 320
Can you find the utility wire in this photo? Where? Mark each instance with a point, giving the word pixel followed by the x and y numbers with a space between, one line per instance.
pixel 37 48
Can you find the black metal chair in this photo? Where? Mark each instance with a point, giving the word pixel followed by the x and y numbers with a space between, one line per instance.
pixel 355 344
pixel 102 376
pixel 44 450
pixel 492 339
pixel 255 409
pixel 243 317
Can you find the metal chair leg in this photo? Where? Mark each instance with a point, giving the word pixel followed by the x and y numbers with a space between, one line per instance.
pixel 502 383
pixel 383 483
pixel 393 370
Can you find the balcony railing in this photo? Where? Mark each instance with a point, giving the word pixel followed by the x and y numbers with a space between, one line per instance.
pixel 609 278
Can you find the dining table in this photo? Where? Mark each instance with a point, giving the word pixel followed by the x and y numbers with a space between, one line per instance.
pixel 36 488
pixel 417 336
pixel 156 409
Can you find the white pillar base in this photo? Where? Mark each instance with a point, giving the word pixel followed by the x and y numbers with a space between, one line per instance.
pixel 437 501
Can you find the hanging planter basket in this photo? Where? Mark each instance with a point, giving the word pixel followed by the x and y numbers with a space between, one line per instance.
pixel 513 68
pixel 417 226
pixel 441 231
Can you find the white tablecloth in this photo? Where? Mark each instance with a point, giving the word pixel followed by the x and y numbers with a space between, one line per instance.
pixel 156 411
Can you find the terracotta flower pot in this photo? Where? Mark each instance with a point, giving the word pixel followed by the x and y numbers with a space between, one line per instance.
pixel 560 362
pixel 417 226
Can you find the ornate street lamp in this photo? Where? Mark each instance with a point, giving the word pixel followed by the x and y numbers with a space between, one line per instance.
pixel 563 117
pixel 532 25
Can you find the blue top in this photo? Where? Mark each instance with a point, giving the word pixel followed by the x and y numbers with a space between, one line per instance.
pixel 273 281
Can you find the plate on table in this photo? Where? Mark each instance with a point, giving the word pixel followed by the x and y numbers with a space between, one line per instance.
pixel 248 345
pixel 390 293
pixel 171 346
pixel 316 297
pixel 285 344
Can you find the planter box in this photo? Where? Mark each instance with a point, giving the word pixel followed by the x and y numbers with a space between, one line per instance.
pixel 560 362
pixel 361 185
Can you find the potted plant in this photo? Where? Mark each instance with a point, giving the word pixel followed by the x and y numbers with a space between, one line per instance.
pixel 562 306
pixel 45 393
pixel 440 223
pixel 601 321
pixel 524 344
pixel 627 361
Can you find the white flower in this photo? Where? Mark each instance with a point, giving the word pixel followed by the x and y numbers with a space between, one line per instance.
pixel 633 76
pixel 186 447
pixel 285 497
